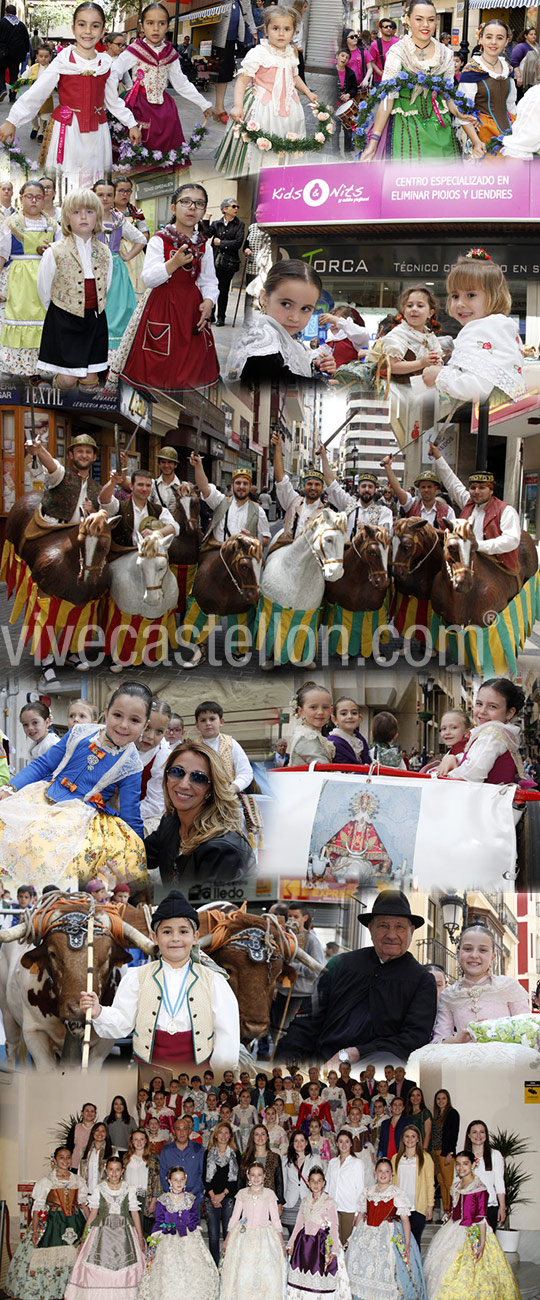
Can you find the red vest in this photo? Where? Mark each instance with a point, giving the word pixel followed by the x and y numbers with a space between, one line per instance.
pixel 85 96
pixel 344 351
pixel 145 776
pixel 441 510
pixel 492 528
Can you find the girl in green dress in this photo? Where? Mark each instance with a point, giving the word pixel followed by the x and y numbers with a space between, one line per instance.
pixel 42 1264
pixel 23 240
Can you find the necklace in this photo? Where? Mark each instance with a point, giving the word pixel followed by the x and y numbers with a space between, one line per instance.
pixel 422 49
pixel 174 1011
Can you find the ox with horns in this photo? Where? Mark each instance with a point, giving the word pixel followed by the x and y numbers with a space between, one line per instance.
pixel 40 990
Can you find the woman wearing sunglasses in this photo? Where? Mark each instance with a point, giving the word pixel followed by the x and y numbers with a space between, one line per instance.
pixel 177 1008
pixel 199 837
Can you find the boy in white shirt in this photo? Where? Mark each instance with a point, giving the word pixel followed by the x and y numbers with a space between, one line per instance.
pixel 209 720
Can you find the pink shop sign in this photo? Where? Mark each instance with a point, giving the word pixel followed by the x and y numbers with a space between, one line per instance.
pixel 323 193
pixel 497 189
pixel 354 193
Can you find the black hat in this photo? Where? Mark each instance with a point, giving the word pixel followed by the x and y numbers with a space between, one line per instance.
pixel 391 902
pixel 175 904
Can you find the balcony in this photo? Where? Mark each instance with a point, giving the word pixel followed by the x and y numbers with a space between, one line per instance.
pixel 431 952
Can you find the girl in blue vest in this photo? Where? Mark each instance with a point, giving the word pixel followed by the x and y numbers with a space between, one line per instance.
pixel 58 823
pixel 178 1008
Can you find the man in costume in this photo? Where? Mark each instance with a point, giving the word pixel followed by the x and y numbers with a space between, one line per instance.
pixel 375 1002
pixel 298 509
pixel 495 524
pixel 235 514
pixel 362 510
pixel 137 510
pixel 428 504
pixel 166 489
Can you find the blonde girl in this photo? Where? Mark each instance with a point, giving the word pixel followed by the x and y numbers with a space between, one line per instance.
pixel 73 281
pixel 313 710
pixel 488 352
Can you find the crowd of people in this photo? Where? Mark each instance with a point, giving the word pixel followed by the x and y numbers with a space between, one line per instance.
pixel 294 1184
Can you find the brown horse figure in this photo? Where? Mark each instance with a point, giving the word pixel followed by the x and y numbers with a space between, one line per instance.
pixel 70 563
pixel 185 548
pixel 471 584
pixel 365 578
pixel 416 557
pixel 228 577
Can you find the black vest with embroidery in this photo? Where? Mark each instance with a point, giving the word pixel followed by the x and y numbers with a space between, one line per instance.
pixel 123 532
pixel 60 502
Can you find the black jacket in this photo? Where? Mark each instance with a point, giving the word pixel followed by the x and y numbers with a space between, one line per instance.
pixel 401 999
pixel 405 1088
pixel 231 237
pixel 349 87
pixel 450 1132
pixel 14 37
pixel 226 858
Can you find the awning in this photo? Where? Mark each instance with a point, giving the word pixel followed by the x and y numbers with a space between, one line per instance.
pixel 502 4
pixel 206 15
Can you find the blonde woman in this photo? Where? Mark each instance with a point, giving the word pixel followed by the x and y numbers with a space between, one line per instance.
pixel 220 1178
pixel 414 1174
pixel 199 836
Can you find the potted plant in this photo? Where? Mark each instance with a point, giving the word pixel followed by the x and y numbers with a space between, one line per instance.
pixel 510 1146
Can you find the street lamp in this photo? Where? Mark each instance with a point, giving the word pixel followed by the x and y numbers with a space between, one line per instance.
pixel 426 683
pixel 454 914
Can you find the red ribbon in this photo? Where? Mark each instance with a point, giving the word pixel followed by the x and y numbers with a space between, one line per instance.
pixel 65 118
pixel 132 94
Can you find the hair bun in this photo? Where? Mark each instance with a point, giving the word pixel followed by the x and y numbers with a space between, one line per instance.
pixel 478 255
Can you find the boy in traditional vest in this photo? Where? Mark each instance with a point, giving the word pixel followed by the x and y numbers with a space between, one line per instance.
pixel 209 720
pixel 178 1008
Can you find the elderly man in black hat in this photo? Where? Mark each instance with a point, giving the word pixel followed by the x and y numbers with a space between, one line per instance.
pixel 428 505
pixel 372 1002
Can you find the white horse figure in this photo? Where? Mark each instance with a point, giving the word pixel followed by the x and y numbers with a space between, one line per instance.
pixel 142 581
pixel 294 575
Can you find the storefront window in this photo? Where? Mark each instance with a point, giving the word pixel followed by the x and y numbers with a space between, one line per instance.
pixel 8 482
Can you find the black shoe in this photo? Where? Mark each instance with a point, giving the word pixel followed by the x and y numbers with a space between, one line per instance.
pixel 40 139
pixel 33 135
pixel 12 97
pixel 220 322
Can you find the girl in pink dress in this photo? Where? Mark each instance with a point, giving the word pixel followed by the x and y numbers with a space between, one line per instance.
pixel 153 62
pixel 254 1263
pixel 111 1257
pixel 478 995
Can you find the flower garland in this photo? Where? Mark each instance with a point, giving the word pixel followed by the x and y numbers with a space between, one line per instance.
pixel 252 133
pixel 433 84
pixel 131 155
pixel 19 159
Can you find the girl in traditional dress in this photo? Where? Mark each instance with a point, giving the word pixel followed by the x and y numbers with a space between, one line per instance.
pixel 244 1117
pixel 317 1263
pixel 153 62
pixel 121 298
pixel 254 1263
pixel 488 82
pixel 141 1171
pixel 334 1094
pixel 478 995
pixel 464 1258
pixel 420 120
pixel 491 752
pixel 349 743
pixel 277 1136
pixel 412 345
pixel 57 819
pixel 266 347
pixel 454 729
pixel 35 720
pixel 111 1257
pixel 42 1264
pixel 179 1009
pixel 96 1153
pixel 488 352
pixel 322 1146
pixel 123 202
pixel 173 347
pixel 74 278
pixel 77 140
pixel 383 1258
pixel 179 1262
pixel 488 1164
pixel 266 92
pixel 24 237
pixel 313 709
pixel 159 1110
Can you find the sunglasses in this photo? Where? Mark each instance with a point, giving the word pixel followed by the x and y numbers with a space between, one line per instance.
pixel 196 778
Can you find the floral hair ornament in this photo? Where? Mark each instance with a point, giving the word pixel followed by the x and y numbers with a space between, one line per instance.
pixel 479 255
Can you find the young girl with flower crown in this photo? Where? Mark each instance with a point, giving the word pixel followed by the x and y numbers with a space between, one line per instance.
pixel 58 821
pixel 78 140
pixel 266 93
pixel 153 63
pixel 313 709
pixel 465 1258
pixel 488 352
pixel 420 115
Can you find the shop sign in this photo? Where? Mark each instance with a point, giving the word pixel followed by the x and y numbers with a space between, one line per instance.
pixel 405 261
pixel 498 189
pixel 217 449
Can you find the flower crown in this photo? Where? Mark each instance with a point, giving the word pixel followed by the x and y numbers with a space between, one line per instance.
pixel 478 255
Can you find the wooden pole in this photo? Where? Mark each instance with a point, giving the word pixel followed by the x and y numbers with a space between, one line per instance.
pixel 89 989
